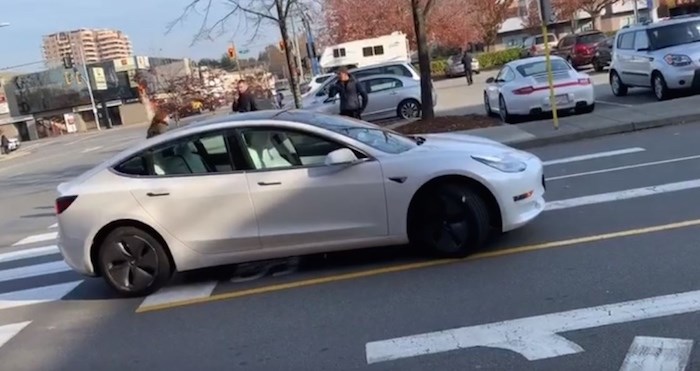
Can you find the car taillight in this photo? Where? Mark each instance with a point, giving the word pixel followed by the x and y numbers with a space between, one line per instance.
pixel 524 90
pixel 581 49
pixel 62 203
pixel 586 81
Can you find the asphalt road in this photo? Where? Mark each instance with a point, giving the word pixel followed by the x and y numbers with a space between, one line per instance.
pixel 601 246
pixel 456 98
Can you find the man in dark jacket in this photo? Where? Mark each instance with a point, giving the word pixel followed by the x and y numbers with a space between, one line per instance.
pixel 467 62
pixel 350 92
pixel 246 100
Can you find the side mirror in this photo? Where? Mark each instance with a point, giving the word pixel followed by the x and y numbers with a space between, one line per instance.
pixel 343 156
pixel 490 80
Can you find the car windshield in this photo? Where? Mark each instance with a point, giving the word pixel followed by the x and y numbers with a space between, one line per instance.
pixel 540 67
pixel 591 38
pixel 372 135
pixel 674 34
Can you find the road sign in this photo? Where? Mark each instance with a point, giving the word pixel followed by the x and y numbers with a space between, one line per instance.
pixel 99 80
pixel 533 337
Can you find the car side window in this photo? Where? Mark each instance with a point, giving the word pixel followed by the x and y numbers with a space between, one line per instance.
pixel 399 70
pixel 640 40
pixel 363 73
pixel 501 74
pixel 279 148
pixel 136 166
pixel 507 74
pixel 202 154
pixel 382 84
pixel 626 41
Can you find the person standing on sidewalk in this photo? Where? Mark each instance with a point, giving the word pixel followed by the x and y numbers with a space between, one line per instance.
pixel 246 100
pixel 467 62
pixel 4 144
pixel 350 92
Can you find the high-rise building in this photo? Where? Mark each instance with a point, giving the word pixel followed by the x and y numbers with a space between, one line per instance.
pixel 97 44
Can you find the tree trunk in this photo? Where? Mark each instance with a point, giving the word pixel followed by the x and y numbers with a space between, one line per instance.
pixel 426 82
pixel 288 54
pixel 594 19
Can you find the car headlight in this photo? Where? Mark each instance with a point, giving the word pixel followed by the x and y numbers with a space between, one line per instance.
pixel 504 163
pixel 678 60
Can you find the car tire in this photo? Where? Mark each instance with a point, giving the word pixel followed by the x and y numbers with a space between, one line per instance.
pixel 597 66
pixel 658 83
pixel 503 111
pixel 409 109
pixel 619 89
pixel 487 106
pixel 133 262
pixel 449 220
pixel 586 109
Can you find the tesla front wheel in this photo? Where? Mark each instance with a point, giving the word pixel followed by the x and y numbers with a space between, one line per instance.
pixel 450 221
pixel 133 262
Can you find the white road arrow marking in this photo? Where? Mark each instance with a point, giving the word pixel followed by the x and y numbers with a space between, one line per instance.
pixel 7 332
pixel 533 337
pixel 657 354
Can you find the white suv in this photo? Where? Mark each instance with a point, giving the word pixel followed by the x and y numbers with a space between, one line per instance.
pixel 663 56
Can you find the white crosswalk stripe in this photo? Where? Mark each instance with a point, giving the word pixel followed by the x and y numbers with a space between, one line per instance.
pixel 33 272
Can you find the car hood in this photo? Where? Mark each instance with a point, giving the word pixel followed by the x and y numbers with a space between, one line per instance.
pixel 689 49
pixel 469 144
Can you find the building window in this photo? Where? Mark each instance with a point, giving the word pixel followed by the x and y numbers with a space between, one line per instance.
pixel 522 8
pixel 339 53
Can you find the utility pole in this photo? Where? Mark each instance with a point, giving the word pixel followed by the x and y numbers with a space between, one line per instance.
pixel 89 85
pixel 310 44
pixel 636 11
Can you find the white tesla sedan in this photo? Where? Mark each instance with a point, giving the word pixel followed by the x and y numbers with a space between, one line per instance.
pixel 274 184
pixel 521 89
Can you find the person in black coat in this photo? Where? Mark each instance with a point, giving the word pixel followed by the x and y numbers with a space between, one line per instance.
pixel 353 97
pixel 467 62
pixel 246 100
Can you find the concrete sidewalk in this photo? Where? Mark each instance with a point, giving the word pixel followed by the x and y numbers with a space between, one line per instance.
pixel 613 121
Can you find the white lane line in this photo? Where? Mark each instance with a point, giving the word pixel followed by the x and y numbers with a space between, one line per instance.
pixel 657 354
pixel 28 253
pixel 614 103
pixel 179 293
pixel 54 225
pixel 36 295
pixel 7 332
pixel 622 195
pixel 37 238
pixel 592 156
pixel 33 270
pixel 619 168
pixel 534 337
pixel 91 149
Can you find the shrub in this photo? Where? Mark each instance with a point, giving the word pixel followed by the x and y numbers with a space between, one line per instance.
pixel 497 58
pixel 438 67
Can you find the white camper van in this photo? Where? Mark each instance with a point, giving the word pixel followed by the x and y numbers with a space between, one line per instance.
pixel 361 53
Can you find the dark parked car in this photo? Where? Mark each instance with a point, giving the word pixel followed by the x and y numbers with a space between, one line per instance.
pixel 579 49
pixel 603 54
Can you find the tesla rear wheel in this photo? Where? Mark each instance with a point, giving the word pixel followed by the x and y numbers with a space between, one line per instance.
pixel 409 109
pixel 133 262
pixel 450 221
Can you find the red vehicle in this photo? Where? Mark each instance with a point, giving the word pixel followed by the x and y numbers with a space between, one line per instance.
pixel 579 48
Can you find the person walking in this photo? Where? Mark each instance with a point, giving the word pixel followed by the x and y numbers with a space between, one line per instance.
pixel 467 62
pixel 351 92
pixel 159 124
pixel 246 100
pixel 4 144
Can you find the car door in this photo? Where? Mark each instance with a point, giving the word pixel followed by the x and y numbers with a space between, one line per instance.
pixel 494 89
pixel 302 203
pixel 623 56
pixel 198 192
pixel 640 61
pixel 383 97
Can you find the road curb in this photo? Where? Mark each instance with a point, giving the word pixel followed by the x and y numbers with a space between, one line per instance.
pixel 556 137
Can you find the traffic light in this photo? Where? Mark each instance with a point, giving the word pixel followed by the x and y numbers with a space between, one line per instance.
pixel 232 52
pixel 68 61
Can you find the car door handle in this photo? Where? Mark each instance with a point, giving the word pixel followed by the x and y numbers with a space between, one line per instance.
pixel 158 194
pixel 269 183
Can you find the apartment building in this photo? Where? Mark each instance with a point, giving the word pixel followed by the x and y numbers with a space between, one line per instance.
pixel 97 45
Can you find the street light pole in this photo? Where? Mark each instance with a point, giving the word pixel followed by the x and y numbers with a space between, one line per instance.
pixel 89 85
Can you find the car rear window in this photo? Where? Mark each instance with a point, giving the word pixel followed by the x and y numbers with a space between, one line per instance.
pixel 540 67
pixel 590 38
pixel 674 34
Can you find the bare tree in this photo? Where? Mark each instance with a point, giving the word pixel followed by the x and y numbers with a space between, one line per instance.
pixel 421 10
pixel 594 8
pixel 256 11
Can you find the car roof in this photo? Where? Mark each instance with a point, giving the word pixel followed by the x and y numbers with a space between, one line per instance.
pixel 385 75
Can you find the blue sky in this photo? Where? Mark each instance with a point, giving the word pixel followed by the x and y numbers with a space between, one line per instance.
pixel 144 21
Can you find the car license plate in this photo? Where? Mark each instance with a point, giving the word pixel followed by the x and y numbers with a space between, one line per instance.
pixel 562 99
